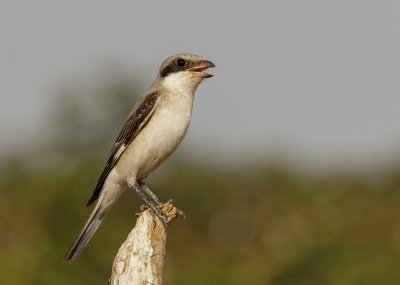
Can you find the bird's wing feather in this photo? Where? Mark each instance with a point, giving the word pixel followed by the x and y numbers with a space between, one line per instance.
pixel 135 122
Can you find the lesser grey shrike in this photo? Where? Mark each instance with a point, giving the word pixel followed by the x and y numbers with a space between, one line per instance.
pixel 151 133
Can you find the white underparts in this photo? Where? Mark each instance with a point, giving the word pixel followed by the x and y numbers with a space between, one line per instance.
pixel 183 82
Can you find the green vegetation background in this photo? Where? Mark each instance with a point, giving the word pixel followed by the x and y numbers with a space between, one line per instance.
pixel 265 226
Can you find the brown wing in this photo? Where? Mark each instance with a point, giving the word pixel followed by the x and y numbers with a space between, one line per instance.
pixel 136 120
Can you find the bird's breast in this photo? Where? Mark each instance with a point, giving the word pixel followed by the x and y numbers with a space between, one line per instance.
pixel 161 136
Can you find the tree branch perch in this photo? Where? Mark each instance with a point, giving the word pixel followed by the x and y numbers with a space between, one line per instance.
pixel 140 259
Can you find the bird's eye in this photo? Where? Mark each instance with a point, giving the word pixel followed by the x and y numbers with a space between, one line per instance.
pixel 181 62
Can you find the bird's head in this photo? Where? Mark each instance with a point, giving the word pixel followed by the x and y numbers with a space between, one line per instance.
pixel 184 72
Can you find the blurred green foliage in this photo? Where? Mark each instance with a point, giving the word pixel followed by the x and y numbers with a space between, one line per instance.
pixel 266 226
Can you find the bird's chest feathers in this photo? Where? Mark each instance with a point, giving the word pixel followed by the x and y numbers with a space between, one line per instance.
pixel 160 137
pixel 173 114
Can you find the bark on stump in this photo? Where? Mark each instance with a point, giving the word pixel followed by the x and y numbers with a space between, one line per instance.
pixel 140 259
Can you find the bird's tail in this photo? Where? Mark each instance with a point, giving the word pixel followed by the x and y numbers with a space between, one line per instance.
pixel 86 233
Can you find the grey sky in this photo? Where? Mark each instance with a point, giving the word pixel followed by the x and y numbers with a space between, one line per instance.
pixel 319 79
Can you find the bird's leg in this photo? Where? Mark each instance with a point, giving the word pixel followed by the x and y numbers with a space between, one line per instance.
pixel 142 184
pixel 155 210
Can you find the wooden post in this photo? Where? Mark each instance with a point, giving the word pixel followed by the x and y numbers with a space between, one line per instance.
pixel 140 259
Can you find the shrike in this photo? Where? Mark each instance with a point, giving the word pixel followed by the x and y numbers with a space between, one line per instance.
pixel 152 131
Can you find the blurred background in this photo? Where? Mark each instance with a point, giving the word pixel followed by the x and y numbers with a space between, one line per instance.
pixel 289 173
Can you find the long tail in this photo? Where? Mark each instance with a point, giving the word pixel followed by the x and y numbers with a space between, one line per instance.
pixel 86 233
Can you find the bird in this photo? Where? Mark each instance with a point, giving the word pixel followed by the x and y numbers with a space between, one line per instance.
pixel 151 132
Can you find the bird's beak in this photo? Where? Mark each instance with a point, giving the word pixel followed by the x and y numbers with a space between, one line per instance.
pixel 202 65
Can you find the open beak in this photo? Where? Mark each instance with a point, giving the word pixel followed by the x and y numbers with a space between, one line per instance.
pixel 202 65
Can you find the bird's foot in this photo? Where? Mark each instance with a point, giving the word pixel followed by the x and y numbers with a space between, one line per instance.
pixel 150 204
pixel 166 212
pixel 162 206
pixel 161 215
pixel 155 212
pixel 142 208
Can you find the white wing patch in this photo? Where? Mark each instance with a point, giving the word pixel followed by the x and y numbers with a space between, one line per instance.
pixel 119 151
